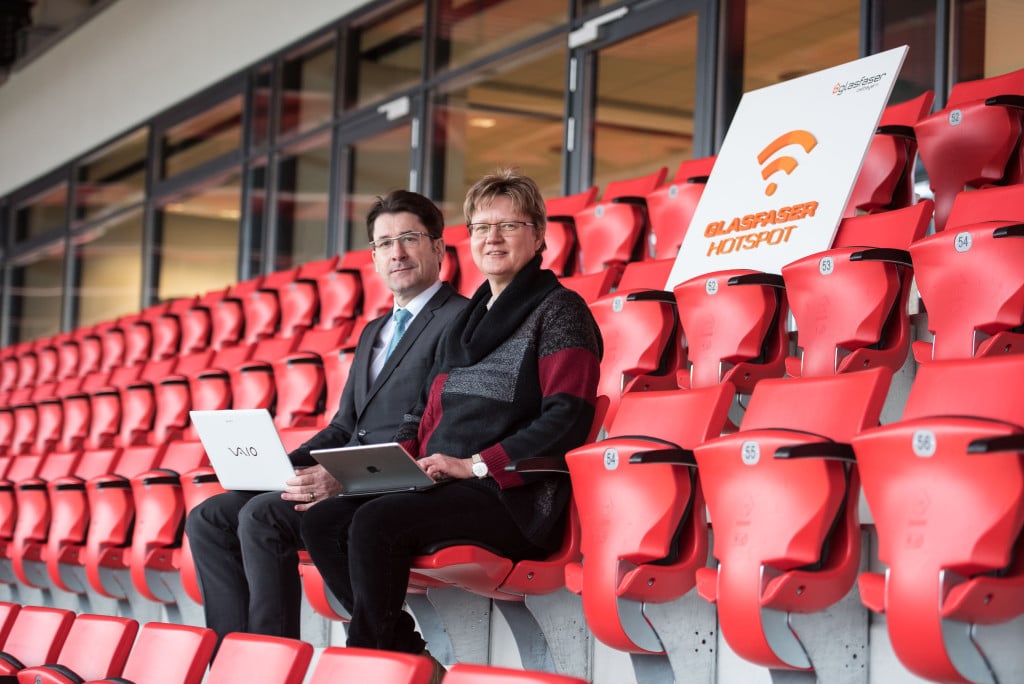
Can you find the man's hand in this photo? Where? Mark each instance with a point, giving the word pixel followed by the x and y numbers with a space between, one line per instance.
pixel 308 486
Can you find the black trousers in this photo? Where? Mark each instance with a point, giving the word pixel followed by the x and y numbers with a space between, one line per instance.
pixel 364 546
pixel 245 546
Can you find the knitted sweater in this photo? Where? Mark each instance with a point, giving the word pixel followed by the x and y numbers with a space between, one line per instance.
pixel 515 381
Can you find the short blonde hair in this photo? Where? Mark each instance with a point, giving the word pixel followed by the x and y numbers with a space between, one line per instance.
pixel 507 182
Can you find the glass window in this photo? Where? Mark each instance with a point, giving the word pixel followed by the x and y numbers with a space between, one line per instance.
pixel 645 102
pixel 42 213
pixel 198 248
pixel 307 90
pixel 379 163
pixel 468 29
pixel 985 38
pixel 36 294
pixel 512 115
pixel 303 187
pixel 109 265
pixel 114 177
pixel 829 34
pixel 912 23
pixel 206 136
pixel 389 56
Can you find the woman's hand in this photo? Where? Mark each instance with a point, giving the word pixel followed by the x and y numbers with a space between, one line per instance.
pixel 441 467
pixel 310 485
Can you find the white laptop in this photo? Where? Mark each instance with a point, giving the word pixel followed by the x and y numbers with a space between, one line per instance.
pixel 373 469
pixel 244 448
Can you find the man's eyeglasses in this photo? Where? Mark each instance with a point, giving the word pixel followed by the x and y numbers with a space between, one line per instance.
pixel 504 227
pixel 407 240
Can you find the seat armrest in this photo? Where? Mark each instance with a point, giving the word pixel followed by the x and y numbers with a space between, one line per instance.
pixel 895 256
pixel 769 279
pixel 675 456
pixel 838 451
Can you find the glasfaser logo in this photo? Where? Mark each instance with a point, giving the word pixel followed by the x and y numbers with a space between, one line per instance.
pixel 862 84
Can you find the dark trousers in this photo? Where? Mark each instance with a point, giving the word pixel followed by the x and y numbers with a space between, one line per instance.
pixel 364 548
pixel 245 546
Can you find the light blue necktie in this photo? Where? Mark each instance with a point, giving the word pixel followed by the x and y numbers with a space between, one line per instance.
pixel 401 321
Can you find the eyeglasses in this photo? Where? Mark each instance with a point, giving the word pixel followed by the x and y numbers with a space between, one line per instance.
pixel 504 227
pixel 407 240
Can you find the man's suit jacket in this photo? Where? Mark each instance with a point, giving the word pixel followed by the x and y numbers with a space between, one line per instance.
pixel 370 414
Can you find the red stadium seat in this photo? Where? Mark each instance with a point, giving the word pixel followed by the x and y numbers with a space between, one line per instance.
pixel 167 653
pixel 258 658
pixel 341 291
pixel 560 235
pixel 735 327
pixel 370 665
pixel 591 286
pixel 670 208
pixel 465 673
pixel 886 178
pixel 36 637
pixel 971 277
pixel 644 527
pixel 96 647
pixel 945 486
pixel 608 232
pixel 850 302
pixel 975 141
pixel 786 530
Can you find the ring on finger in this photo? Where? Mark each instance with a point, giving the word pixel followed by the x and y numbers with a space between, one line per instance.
pixel 310 495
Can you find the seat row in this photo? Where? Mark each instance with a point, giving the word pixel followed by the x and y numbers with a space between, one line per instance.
pixel 55 646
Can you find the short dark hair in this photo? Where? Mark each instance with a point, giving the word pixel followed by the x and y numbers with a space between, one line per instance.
pixel 398 201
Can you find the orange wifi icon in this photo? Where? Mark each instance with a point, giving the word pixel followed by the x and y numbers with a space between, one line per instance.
pixel 785 163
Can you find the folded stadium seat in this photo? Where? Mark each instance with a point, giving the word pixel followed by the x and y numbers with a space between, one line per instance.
pixel 450 267
pixel 262 306
pixel 651 274
pixel 608 233
pixel 735 327
pixel 640 330
pixel 46 368
pixel 337 365
pixel 253 382
pixel 228 315
pixel 786 530
pixel 975 140
pixel 259 658
pixel 886 178
pixel 6 429
pixel 670 208
pixel 35 638
pixel 301 381
pixel 28 365
pixel 341 291
pixel 945 486
pixel 465 673
pixel 166 329
pixel 970 277
pixel 456 239
pixel 300 298
pixel 196 325
pixel 20 467
pixel 173 396
pixel 8 368
pixel 337 664
pixel 643 521
pixel 560 236
pixel 166 653
pixel 96 646
pixel 377 300
pixel 850 303
pixel 591 286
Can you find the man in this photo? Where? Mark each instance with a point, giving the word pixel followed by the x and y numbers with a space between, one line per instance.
pixel 245 544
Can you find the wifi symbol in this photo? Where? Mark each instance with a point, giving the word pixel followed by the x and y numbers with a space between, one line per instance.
pixel 802 138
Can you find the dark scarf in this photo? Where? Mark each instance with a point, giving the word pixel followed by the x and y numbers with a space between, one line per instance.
pixel 478 330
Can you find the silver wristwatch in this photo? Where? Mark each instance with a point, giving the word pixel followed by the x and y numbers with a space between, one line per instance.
pixel 479 467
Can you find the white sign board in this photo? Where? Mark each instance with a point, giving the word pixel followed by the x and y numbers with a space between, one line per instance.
pixel 786 169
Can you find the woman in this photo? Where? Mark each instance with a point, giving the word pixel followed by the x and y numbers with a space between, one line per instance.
pixel 516 377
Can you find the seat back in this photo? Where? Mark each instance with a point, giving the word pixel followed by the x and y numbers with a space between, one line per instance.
pixel 670 208
pixel 850 303
pixel 259 658
pixel 36 637
pixel 560 236
pixel 734 323
pixel 644 527
pixel 166 653
pixel 886 178
pixel 370 665
pixel 96 646
pixel 608 232
pixel 970 276
pixel 974 141
pixel 786 530
pixel 945 486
